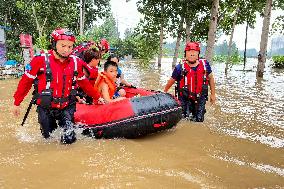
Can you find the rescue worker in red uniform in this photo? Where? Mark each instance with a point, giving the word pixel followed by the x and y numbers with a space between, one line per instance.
pixel 193 75
pixel 91 58
pixel 55 75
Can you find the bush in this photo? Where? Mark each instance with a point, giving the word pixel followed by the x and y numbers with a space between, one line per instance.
pixel 15 56
pixel 42 43
pixel 278 62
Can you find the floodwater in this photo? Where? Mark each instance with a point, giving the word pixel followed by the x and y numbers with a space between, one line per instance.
pixel 240 144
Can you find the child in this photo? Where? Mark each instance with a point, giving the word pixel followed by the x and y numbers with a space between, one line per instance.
pixel 105 82
pixel 120 78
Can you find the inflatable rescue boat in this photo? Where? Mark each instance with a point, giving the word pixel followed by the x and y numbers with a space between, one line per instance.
pixel 142 112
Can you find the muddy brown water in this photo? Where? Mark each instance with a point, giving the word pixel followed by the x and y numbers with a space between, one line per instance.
pixel 240 144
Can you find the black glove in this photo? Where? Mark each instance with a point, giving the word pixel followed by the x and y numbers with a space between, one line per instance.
pixel 132 86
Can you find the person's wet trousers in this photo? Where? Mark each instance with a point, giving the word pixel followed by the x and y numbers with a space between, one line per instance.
pixel 48 119
pixel 192 110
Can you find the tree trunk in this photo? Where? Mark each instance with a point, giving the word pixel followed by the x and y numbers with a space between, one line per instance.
pixel 231 40
pixel 245 52
pixel 161 36
pixel 187 30
pixel 212 31
pixel 38 26
pixel 83 15
pixel 264 39
pixel 81 18
pixel 178 42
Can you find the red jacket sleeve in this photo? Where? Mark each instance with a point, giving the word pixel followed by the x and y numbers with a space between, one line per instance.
pixel 84 83
pixel 26 81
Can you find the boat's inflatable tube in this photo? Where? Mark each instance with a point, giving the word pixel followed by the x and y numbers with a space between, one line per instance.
pixel 130 118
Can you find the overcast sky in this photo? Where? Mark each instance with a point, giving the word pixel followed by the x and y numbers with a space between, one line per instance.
pixel 128 17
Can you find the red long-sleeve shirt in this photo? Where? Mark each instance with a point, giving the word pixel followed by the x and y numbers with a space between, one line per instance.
pixel 61 84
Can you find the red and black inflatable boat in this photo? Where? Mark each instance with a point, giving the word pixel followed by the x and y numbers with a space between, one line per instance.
pixel 133 117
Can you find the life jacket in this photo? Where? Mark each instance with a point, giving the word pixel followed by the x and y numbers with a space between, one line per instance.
pixel 60 79
pixel 102 77
pixel 193 80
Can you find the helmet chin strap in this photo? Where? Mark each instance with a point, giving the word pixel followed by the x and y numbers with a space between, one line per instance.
pixel 60 56
pixel 53 46
pixel 192 62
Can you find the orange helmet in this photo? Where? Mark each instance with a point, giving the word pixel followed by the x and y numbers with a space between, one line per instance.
pixel 192 46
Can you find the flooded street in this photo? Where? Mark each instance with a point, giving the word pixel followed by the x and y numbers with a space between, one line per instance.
pixel 240 144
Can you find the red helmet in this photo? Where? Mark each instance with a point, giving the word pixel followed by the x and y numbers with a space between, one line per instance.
pixel 192 46
pixel 104 45
pixel 62 34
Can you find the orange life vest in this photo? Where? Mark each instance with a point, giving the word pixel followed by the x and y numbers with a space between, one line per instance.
pixel 102 77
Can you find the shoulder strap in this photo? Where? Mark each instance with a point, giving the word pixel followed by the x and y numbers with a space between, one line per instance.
pixel 184 73
pixel 48 73
pixel 203 61
pixel 75 74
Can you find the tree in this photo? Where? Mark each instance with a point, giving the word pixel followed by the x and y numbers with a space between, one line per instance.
pixel 92 10
pixel 231 38
pixel 234 12
pixel 155 19
pixel 264 39
pixel 39 18
pixel 212 30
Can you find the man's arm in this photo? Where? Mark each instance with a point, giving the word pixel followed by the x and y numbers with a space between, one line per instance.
pixel 26 83
pixel 87 87
pixel 212 88
pixel 170 82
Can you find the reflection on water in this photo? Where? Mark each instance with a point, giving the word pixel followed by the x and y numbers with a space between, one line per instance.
pixel 240 144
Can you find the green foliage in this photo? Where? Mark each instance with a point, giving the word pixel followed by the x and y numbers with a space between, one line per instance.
pixel 42 43
pixel 141 46
pixel 278 25
pixel 19 15
pixel 222 49
pixel 278 62
pixel 247 13
pixel 220 58
pixel 15 56
pixel 234 59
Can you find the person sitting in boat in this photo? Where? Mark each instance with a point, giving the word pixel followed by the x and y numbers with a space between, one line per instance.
pixel 105 82
pixel 120 82
pixel 193 76
pixel 91 58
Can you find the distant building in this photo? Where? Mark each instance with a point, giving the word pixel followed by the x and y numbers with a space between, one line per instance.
pixel 277 45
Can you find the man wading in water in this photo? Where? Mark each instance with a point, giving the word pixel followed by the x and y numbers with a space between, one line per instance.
pixel 193 75
pixel 55 75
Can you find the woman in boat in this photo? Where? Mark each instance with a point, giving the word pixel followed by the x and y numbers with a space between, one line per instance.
pixel 91 58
